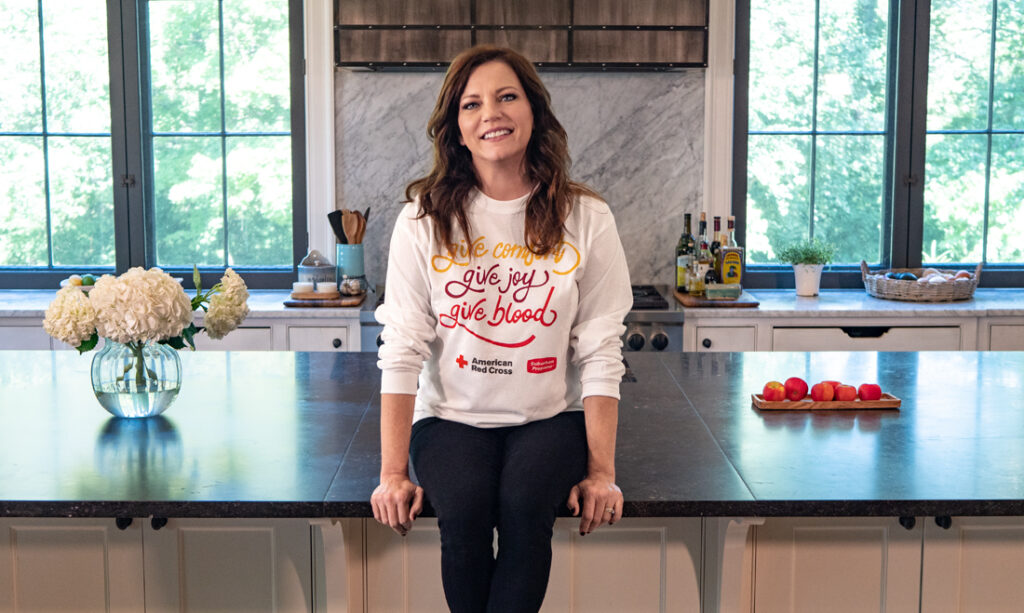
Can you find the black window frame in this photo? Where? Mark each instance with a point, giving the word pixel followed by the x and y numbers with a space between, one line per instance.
pixel 906 114
pixel 126 40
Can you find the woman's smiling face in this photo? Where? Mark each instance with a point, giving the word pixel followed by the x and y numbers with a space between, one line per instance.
pixel 495 118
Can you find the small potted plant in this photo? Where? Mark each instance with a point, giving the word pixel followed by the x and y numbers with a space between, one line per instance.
pixel 808 257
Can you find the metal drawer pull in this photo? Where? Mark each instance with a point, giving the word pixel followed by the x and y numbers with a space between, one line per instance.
pixel 336 342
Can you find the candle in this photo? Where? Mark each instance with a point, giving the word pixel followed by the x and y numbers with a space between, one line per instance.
pixel 326 287
pixel 302 286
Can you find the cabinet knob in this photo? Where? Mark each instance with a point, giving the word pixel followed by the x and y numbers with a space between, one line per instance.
pixel 908 522
pixel 158 522
pixel 122 523
pixel 944 522
pixel 380 341
pixel 336 342
pixel 707 343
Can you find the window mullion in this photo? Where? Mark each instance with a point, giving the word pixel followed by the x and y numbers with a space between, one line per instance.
pixel 223 131
pixel 989 126
pixel 45 135
pixel 911 123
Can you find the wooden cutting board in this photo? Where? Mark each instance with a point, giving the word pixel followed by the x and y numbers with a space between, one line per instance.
pixel 745 300
pixel 346 301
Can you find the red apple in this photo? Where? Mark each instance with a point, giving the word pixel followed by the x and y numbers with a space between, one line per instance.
pixel 846 392
pixel 774 391
pixel 869 391
pixel 796 388
pixel 822 392
pixel 834 384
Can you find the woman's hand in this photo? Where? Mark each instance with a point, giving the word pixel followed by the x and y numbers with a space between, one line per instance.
pixel 396 502
pixel 602 502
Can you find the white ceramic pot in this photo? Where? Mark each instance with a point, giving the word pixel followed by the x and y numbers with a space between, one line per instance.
pixel 808 278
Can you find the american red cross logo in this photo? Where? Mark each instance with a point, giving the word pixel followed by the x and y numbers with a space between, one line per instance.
pixel 461 362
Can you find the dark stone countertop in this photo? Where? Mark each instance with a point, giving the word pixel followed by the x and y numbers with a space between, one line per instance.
pixel 278 434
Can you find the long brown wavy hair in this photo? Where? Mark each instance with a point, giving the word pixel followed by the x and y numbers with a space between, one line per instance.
pixel 445 191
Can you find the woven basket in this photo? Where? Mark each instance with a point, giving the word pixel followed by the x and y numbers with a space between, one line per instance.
pixel 912 291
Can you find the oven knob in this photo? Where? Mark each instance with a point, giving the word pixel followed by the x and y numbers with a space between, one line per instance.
pixel 635 341
pixel 659 340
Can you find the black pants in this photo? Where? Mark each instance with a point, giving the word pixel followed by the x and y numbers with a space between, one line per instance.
pixel 514 479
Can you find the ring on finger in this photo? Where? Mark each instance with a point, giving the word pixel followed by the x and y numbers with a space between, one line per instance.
pixel 610 510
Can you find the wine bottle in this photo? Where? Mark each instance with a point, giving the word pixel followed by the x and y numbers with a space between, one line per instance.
pixel 703 261
pixel 684 256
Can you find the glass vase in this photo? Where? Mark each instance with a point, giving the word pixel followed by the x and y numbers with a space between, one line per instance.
pixel 136 379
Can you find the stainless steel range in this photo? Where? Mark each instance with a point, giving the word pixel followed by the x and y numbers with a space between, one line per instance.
pixel 654 324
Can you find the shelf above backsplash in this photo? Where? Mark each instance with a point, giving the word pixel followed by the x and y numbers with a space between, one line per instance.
pixel 583 35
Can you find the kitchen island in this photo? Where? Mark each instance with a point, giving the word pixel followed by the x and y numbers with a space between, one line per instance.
pixel 267 449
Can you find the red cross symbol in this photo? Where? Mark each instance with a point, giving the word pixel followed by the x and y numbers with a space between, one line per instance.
pixel 461 362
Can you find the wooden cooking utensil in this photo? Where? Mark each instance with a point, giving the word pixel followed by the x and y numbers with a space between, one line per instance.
pixel 350 223
pixel 362 228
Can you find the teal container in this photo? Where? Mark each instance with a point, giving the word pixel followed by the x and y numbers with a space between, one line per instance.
pixel 350 261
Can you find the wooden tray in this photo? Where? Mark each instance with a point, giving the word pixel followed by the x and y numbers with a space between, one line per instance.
pixel 745 300
pixel 316 295
pixel 888 401
pixel 342 301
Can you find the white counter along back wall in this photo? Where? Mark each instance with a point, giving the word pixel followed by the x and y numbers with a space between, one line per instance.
pixel 637 138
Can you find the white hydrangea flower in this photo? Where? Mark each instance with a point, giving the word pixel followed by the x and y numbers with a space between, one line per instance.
pixel 140 305
pixel 227 308
pixel 70 318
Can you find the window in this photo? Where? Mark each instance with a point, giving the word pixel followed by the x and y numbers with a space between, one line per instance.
pixel 202 163
pixel 840 135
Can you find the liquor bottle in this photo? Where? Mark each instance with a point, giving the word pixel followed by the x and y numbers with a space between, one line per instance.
pixel 716 238
pixel 731 270
pixel 716 244
pixel 703 261
pixel 684 256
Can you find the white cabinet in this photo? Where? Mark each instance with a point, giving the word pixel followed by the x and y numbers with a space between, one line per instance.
pixel 228 565
pixel 726 338
pixel 974 565
pixel 70 565
pixel 239 339
pixel 637 565
pixel 866 338
pixel 853 564
pixel 874 564
pixel 188 565
pixel 1006 337
pixel 321 338
pixel 24 337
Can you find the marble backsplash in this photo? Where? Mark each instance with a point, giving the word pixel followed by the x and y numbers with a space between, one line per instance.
pixel 638 139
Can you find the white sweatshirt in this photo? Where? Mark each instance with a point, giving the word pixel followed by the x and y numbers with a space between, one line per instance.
pixel 504 337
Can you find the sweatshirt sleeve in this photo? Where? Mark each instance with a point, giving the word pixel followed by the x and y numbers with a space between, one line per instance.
pixel 605 298
pixel 407 315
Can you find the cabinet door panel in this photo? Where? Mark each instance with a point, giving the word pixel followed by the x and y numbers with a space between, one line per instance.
pixel 228 565
pixel 726 338
pixel 836 565
pixel 70 565
pixel 24 337
pixel 301 338
pixel 975 565
pixel 240 339
pixel 945 338
pixel 638 565
pixel 1006 338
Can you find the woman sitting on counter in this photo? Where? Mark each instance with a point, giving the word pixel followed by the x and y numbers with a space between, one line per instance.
pixel 507 286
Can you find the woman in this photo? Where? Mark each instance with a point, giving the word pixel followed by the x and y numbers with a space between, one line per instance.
pixel 506 291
